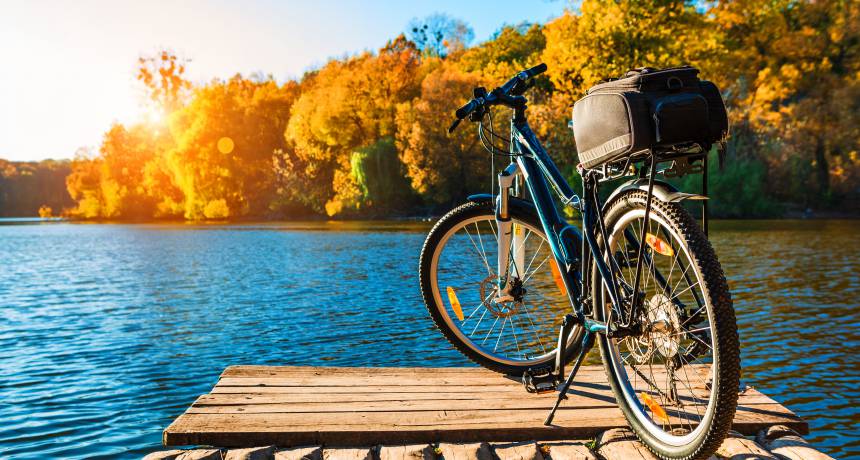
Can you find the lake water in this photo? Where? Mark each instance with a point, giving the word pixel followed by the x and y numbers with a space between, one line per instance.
pixel 108 332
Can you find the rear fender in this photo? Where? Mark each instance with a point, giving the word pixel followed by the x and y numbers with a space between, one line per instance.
pixel 664 191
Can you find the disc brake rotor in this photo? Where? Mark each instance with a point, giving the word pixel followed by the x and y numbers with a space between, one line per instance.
pixel 489 290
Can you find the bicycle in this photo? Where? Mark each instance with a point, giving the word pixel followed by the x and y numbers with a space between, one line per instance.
pixel 501 273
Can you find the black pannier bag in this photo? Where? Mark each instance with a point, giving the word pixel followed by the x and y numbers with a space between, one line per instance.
pixel 648 110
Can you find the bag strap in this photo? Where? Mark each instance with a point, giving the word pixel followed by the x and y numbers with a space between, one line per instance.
pixel 639 71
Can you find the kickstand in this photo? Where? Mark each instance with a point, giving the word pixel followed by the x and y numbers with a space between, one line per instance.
pixel 587 343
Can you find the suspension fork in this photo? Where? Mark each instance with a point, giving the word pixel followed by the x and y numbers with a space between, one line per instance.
pixel 507 235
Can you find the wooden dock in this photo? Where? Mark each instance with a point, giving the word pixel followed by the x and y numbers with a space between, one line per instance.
pixel 297 406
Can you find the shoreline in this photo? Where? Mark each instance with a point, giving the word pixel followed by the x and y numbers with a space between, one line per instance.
pixel 788 216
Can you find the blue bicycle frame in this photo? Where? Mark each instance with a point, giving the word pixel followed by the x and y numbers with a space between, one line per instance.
pixel 541 175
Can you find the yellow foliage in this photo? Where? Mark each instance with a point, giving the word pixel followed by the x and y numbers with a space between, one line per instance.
pixel 216 209
pixel 790 72
pixel 45 211
pixel 440 167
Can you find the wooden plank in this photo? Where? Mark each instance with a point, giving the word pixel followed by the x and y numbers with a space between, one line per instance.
pixel 369 389
pixel 251 453
pixel 412 452
pixel 164 455
pixel 258 370
pixel 577 391
pixel 385 380
pixel 300 453
pixel 586 374
pixel 785 443
pixel 737 447
pixel 518 393
pixel 517 451
pixel 201 454
pixel 413 427
pixel 262 371
pixel 287 406
pixel 347 454
pixel 568 450
pixel 574 400
pixel 622 444
pixel 474 451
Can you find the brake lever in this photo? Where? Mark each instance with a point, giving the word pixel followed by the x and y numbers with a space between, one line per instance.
pixel 520 88
pixel 454 126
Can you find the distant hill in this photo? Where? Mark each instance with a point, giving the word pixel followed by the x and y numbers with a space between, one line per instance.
pixel 25 186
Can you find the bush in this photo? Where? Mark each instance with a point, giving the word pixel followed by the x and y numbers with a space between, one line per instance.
pixel 736 191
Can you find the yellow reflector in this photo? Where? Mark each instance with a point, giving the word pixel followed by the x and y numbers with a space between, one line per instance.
pixel 455 303
pixel 658 245
pixel 656 410
pixel 556 275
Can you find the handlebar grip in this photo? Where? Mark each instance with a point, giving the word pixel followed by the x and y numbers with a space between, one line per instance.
pixel 464 111
pixel 536 70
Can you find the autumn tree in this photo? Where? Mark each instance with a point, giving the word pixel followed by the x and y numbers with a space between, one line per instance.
pixel 365 135
pixel 84 185
pixel 606 39
pixel 512 49
pixel 443 169
pixel 225 140
pixel 345 106
pixel 793 82
pixel 125 153
pixel 163 76
pixel 26 187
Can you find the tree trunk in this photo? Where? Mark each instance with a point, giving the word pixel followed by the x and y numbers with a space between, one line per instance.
pixel 822 168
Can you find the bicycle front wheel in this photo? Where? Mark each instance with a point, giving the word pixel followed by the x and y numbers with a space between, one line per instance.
pixel 676 381
pixel 458 282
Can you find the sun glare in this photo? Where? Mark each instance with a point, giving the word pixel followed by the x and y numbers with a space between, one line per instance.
pixel 152 115
pixel 225 145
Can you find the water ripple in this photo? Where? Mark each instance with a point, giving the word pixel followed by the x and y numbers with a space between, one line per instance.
pixel 108 332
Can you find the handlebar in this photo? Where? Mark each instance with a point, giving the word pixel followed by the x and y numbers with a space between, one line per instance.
pixel 509 94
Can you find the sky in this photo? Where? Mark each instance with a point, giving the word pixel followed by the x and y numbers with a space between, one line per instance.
pixel 68 66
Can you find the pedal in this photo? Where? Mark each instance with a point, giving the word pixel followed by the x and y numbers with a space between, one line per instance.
pixel 540 382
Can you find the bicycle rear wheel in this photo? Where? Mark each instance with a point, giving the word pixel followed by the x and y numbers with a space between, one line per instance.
pixel 677 381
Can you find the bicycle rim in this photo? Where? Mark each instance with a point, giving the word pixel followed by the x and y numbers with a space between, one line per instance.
pixel 516 334
pixel 666 375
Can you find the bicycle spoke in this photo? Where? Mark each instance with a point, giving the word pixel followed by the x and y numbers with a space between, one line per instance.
pixel 479 322
pixel 513 330
pixel 528 276
pixel 481 241
pixel 490 331
pixel 659 363
pixel 478 253
pixel 501 331
pixel 534 329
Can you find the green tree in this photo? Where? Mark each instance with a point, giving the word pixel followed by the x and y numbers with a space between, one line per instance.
pixel 379 174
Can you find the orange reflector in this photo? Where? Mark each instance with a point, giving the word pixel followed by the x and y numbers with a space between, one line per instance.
pixel 455 303
pixel 656 410
pixel 556 275
pixel 658 245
